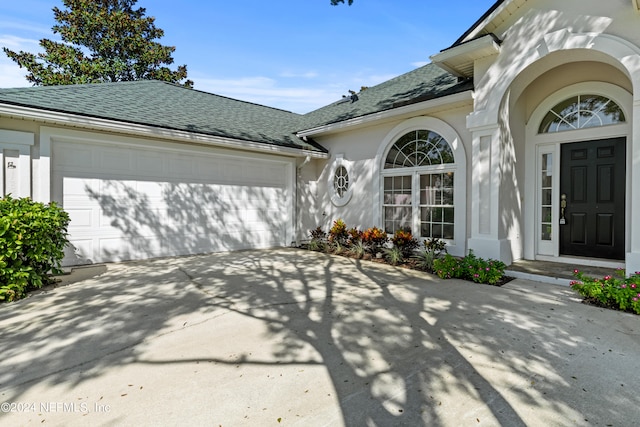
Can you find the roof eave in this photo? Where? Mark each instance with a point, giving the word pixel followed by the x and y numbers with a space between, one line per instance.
pixel 106 125
pixel 388 115
pixel 481 23
pixel 459 60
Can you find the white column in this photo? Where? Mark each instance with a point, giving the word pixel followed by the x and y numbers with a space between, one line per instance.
pixel 633 256
pixel 486 172
pixel 42 168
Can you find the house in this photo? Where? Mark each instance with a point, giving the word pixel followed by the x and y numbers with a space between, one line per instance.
pixel 516 142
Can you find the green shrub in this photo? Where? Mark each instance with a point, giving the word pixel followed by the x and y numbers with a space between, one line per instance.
pixel 432 250
pixel 32 239
pixel 318 240
pixel 621 293
pixel 470 268
pixel 448 267
pixel 482 271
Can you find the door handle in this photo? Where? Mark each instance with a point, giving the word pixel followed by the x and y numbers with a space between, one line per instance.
pixel 563 207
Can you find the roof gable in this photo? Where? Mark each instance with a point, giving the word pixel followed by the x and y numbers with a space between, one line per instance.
pixel 422 84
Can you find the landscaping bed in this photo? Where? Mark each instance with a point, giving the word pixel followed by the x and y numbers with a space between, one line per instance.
pixel 404 250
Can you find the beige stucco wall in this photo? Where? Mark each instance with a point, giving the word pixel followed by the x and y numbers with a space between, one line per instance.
pixel 509 87
pixel 547 46
pixel 360 148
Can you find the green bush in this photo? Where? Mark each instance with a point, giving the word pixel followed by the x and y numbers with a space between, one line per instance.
pixel 431 251
pixel 448 267
pixel 318 240
pixel 470 268
pixel 32 239
pixel 621 293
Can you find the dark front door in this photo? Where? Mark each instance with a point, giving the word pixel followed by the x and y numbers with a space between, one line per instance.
pixel 592 177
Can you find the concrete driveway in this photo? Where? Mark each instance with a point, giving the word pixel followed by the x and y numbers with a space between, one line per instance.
pixel 289 337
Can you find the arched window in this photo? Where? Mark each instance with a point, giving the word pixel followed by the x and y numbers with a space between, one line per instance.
pixel 582 111
pixel 419 186
pixel 419 148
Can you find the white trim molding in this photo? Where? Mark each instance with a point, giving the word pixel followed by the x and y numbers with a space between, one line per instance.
pixel 97 124
pixel 537 143
pixel 457 246
pixel 451 101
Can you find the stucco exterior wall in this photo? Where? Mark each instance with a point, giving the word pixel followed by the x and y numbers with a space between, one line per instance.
pixel 546 46
pixel 360 149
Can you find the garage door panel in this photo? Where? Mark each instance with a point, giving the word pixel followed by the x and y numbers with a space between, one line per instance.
pixel 79 158
pixel 80 249
pixel 114 160
pixel 130 203
pixel 149 164
pixel 153 191
pixel 81 217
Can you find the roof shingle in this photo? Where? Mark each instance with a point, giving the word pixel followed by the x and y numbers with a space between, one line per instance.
pixel 169 106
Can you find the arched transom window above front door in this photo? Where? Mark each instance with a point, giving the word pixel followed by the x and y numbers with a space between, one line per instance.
pixel 418 186
pixel 580 112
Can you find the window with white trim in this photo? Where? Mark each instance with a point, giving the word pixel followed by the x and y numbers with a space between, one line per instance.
pixel 580 112
pixel 419 186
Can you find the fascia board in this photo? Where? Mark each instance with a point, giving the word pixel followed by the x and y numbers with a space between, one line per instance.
pixel 481 25
pixel 388 114
pixel 65 119
pixel 466 54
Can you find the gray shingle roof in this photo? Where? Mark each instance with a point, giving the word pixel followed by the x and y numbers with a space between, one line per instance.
pixel 165 105
pixel 169 106
pixel 421 84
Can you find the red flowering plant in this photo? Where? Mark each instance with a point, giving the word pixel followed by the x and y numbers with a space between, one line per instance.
pixel 355 236
pixel 620 293
pixel 338 235
pixel 405 242
pixel 374 239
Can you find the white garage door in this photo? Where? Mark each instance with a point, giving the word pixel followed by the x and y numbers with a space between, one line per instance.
pixel 135 203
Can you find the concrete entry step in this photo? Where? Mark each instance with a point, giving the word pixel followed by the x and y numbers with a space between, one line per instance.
pixel 553 272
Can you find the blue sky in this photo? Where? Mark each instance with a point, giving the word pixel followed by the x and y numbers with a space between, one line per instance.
pixel 297 55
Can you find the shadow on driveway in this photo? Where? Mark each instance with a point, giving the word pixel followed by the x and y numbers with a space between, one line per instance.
pixel 290 337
